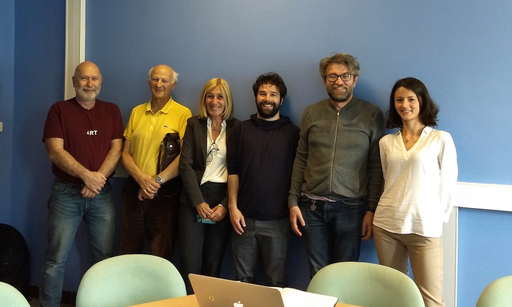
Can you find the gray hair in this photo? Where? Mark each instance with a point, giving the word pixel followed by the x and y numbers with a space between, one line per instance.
pixel 340 58
pixel 174 76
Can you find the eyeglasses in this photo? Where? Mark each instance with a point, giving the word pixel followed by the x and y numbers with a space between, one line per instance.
pixel 344 77
pixel 211 152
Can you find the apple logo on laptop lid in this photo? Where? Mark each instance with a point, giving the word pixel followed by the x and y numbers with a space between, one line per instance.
pixel 238 304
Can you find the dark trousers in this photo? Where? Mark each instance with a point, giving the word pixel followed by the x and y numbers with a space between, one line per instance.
pixel 155 218
pixel 268 239
pixel 333 230
pixel 203 245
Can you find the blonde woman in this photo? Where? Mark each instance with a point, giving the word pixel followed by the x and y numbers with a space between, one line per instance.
pixel 204 227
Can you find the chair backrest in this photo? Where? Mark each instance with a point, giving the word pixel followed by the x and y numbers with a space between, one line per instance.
pixel 14 257
pixel 10 296
pixel 366 284
pixel 497 294
pixel 129 280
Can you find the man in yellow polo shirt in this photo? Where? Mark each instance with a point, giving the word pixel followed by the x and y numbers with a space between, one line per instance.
pixel 146 212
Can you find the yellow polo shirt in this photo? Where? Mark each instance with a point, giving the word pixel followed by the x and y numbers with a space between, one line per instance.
pixel 146 130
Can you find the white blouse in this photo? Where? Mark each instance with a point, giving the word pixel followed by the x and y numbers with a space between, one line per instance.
pixel 216 165
pixel 419 183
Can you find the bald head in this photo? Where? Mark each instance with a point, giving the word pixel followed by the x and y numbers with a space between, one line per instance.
pixel 162 80
pixel 87 66
pixel 173 76
pixel 87 81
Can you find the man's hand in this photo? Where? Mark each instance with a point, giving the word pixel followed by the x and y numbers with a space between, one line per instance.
pixel 296 215
pixel 87 193
pixel 94 181
pixel 218 213
pixel 142 195
pixel 148 185
pixel 237 220
pixel 367 231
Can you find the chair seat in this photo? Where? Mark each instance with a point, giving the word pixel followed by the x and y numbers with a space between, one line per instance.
pixel 11 297
pixel 497 294
pixel 366 284
pixel 129 280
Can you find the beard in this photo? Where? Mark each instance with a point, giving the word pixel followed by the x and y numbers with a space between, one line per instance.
pixel 87 96
pixel 267 113
pixel 339 97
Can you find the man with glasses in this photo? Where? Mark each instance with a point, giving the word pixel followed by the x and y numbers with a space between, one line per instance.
pixel 337 176
pixel 260 158
pixel 83 136
pixel 147 211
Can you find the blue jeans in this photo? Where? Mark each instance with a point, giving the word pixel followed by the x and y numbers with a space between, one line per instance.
pixel 333 230
pixel 66 209
pixel 271 240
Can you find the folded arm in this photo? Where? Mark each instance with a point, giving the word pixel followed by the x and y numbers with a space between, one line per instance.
pixel 148 186
pixel 94 181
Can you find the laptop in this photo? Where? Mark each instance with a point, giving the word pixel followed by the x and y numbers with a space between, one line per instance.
pixel 218 292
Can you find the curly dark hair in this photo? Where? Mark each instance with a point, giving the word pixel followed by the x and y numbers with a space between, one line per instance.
pixel 428 108
pixel 270 78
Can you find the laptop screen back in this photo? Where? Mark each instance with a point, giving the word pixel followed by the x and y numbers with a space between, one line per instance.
pixel 217 292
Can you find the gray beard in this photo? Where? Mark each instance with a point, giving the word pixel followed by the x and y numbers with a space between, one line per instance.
pixel 341 97
pixel 87 97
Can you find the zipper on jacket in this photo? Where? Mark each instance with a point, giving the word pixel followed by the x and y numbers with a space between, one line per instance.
pixel 334 150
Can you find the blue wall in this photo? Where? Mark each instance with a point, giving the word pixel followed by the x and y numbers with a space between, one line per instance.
pixel 460 49
pixel 6 105
pixel 38 82
pixel 484 251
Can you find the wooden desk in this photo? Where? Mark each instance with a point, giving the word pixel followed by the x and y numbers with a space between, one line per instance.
pixel 184 301
pixel 190 301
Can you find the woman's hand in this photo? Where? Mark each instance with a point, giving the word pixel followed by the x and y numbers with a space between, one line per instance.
pixel 204 210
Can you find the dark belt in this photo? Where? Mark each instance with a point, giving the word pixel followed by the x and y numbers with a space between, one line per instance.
pixel 73 184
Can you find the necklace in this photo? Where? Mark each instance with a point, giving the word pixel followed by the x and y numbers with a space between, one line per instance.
pixel 406 138
pixel 215 127
pixel 413 137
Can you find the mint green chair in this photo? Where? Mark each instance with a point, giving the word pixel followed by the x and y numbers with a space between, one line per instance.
pixel 497 294
pixel 129 280
pixel 366 284
pixel 10 296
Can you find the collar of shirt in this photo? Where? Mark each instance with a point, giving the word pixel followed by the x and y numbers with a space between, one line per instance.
pixel 164 110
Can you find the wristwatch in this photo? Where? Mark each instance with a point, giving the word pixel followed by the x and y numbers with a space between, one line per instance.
pixel 158 179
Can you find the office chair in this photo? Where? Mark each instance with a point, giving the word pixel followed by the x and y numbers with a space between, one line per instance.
pixel 497 294
pixel 366 284
pixel 129 280
pixel 10 296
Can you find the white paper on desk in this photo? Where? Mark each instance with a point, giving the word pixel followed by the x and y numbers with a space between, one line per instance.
pixel 297 298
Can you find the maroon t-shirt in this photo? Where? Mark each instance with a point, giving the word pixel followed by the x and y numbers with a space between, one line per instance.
pixel 86 133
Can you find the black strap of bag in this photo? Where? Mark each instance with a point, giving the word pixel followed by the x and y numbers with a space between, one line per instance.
pixel 169 150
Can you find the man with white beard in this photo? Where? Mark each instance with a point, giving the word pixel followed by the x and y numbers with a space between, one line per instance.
pixel 83 137
pixel 337 176
pixel 260 157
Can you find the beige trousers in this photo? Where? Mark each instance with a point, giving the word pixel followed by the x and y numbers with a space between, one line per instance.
pixel 425 254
